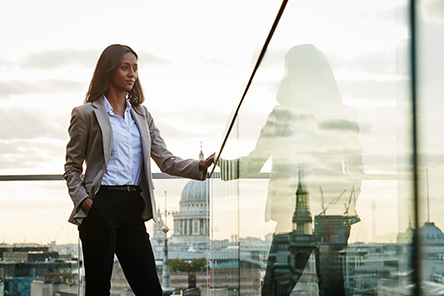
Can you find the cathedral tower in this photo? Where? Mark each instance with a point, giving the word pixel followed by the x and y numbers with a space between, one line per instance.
pixel 302 219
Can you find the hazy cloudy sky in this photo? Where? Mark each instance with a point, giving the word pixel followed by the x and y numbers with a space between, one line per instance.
pixel 194 59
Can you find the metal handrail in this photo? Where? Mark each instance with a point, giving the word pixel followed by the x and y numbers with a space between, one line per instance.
pixel 247 87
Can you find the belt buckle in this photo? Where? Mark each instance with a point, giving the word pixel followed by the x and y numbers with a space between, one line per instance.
pixel 128 188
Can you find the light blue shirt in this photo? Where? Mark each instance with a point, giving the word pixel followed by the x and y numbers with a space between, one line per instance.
pixel 125 163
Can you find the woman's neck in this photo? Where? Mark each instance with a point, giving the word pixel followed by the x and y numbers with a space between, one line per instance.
pixel 116 99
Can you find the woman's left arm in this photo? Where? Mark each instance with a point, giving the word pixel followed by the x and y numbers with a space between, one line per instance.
pixel 75 155
pixel 174 165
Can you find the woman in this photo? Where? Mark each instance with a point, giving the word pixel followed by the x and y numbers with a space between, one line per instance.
pixel 116 136
pixel 312 138
pixel 310 125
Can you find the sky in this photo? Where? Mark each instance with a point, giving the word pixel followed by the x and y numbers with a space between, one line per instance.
pixel 195 58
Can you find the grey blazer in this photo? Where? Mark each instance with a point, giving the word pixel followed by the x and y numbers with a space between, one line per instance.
pixel 91 140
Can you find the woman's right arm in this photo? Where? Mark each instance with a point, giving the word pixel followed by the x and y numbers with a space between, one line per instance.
pixel 75 156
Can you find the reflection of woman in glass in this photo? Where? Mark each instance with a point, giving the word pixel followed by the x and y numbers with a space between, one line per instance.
pixel 312 129
pixel 115 136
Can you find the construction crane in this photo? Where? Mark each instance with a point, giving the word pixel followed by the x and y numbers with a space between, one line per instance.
pixel 332 202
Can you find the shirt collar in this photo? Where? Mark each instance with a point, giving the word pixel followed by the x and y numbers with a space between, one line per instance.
pixel 109 108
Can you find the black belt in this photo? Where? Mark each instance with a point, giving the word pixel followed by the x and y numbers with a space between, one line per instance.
pixel 127 188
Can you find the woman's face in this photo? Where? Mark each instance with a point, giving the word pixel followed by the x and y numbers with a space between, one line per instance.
pixel 125 75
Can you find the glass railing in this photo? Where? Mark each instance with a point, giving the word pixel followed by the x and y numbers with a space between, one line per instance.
pixel 39 249
pixel 430 169
pixel 41 252
pixel 316 189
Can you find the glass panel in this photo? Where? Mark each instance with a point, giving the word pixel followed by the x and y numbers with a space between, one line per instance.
pixel 188 235
pixel 313 194
pixel 225 223
pixel 320 157
pixel 39 249
pixel 430 93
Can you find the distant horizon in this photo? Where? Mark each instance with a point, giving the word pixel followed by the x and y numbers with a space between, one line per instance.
pixel 195 58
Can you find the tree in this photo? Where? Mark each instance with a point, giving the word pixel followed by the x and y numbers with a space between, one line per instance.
pixel 199 264
pixel 182 265
pixel 179 265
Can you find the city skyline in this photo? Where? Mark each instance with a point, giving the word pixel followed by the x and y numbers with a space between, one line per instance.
pixel 43 232
pixel 195 58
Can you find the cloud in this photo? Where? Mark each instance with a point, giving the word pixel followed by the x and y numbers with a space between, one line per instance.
pixel 47 86
pixel 432 159
pixel 339 125
pixel 380 161
pixel 5 63
pixel 25 154
pixel 86 58
pixel 274 58
pixel 401 162
pixel 213 61
pixel 394 11
pixel 369 89
pixel 210 123
pixel 152 59
pixel 382 62
pixel 376 63
pixel 433 10
pixel 52 59
pixel 28 123
pixel 32 141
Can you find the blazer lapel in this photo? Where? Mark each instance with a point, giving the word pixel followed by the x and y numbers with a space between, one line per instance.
pixel 105 126
pixel 144 132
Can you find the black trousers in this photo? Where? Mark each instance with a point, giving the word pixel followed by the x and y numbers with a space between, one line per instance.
pixel 114 226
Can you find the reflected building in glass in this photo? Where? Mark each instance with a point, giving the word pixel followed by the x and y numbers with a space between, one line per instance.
pixel 325 136
pixel 311 138
pixel 36 270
